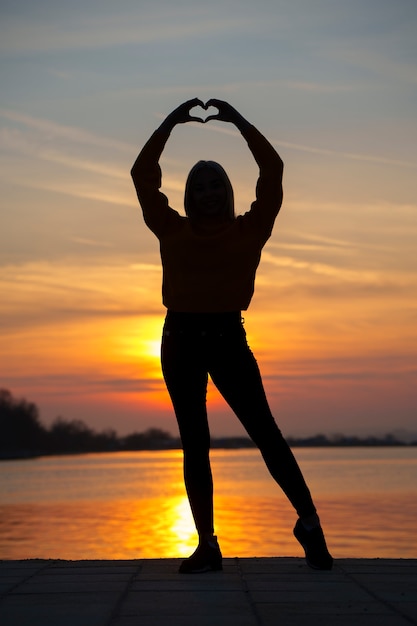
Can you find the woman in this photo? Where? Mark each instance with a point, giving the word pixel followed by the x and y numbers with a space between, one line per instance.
pixel 209 261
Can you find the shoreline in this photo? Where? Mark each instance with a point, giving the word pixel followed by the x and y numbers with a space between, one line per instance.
pixel 217 444
pixel 231 443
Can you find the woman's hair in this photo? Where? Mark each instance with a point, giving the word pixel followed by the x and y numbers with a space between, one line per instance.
pixel 229 208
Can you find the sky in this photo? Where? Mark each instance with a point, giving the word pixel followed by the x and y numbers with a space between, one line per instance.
pixel 332 84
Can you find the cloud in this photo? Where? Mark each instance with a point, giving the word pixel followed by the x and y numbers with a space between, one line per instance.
pixel 86 382
pixel 378 61
pixel 45 294
pixel 341 274
pixel 40 140
pixel 89 191
pixel 334 281
pixel 278 143
pixel 371 158
pixel 357 369
pixel 315 242
pixel 52 130
pixel 161 24
pixel 92 242
pixel 44 142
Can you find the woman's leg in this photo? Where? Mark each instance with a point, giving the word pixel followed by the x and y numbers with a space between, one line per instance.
pixel 235 373
pixel 186 380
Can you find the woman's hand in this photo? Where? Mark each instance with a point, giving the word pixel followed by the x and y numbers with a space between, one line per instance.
pixel 226 113
pixel 181 114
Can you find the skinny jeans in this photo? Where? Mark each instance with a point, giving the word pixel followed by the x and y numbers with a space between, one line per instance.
pixel 198 345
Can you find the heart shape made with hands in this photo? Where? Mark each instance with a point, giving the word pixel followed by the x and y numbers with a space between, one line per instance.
pixel 208 111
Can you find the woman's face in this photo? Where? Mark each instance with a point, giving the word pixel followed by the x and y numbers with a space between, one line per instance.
pixel 208 193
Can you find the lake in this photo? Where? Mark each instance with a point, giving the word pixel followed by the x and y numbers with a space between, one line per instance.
pixel 133 505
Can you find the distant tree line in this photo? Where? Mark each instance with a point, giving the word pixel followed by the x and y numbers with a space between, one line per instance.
pixel 23 435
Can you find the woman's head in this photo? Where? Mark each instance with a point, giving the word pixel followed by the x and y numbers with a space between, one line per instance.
pixel 208 192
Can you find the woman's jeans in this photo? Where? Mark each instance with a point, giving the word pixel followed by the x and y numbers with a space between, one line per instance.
pixel 195 345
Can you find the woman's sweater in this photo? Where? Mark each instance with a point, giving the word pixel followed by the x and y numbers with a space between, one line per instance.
pixel 209 265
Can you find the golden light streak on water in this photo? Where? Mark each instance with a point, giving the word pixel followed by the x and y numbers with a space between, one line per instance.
pixel 182 528
pixel 133 505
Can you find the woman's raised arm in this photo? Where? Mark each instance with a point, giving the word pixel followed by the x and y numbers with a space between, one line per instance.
pixel 267 156
pixel 153 148
pixel 271 167
pixel 146 172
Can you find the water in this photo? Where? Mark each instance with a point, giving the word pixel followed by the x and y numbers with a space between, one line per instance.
pixel 133 505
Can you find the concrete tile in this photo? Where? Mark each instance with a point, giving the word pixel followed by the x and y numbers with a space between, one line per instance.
pixel 164 603
pixel 96 571
pixel 62 586
pixel 350 609
pixel 188 620
pixel 99 564
pixel 186 584
pixel 391 588
pixel 296 578
pixel 58 599
pixel 271 565
pixel 300 587
pixel 42 611
pixel 369 566
pixel 6 587
pixel 249 592
pixel 407 608
pixel 50 576
pixel 27 565
pixel 274 618
pixel 341 594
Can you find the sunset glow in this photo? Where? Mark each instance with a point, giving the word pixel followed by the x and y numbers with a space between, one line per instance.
pixel 333 320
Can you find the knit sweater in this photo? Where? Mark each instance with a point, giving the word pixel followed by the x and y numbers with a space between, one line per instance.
pixel 209 265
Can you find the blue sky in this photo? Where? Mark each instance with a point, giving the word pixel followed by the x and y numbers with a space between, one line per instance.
pixel 332 84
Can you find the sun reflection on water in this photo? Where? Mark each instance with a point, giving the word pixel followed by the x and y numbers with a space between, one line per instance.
pixel 182 528
pixel 134 505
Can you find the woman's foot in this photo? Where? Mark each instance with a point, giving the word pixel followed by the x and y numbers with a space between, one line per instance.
pixel 207 558
pixel 314 544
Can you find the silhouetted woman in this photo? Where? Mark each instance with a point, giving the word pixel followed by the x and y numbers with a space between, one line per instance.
pixel 209 261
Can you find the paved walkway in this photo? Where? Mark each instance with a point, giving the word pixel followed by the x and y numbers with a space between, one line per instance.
pixel 249 592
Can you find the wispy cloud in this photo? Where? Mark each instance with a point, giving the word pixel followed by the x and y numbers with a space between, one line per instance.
pixel 322 269
pixel 379 61
pixel 43 294
pixel 243 86
pixel 51 130
pixel 361 278
pixel 301 240
pixel 86 191
pixel 40 140
pixel 92 242
pixel 160 25
pixel 321 240
pixel 212 127
pixel 345 155
pixel 85 382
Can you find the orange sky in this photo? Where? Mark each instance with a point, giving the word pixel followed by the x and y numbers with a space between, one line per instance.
pixel 334 319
